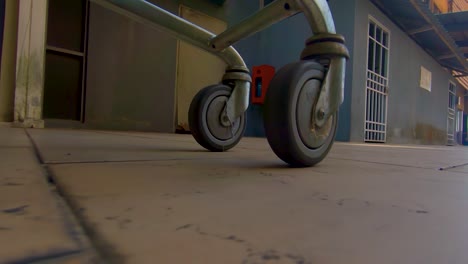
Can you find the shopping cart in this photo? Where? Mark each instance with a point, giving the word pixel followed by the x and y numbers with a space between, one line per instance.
pixel 302 101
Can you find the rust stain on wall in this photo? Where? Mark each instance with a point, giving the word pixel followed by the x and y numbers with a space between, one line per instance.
pixel 428 134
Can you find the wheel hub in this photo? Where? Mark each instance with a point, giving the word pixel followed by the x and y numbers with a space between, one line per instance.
pixel 214 122
pixel 312 136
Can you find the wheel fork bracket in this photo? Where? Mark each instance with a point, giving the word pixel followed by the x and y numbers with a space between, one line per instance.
pixel 238 102
pixel 329 47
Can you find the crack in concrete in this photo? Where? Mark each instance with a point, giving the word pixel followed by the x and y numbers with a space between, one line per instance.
pixel 34 147
pixel 253 254
pixel 46 258
pixel 12 184
pixel 127 161
pixel 16 210
pixel 384 163
pixel 72 225
pixel 453 167
pixel 139 136
pixel 360 203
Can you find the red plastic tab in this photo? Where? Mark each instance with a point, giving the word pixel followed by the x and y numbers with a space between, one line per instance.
pixel 261 79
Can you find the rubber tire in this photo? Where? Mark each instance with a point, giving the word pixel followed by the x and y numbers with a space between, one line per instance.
pixel 280 115
pixel 198 119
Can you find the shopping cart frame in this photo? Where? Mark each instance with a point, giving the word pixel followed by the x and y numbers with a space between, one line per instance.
pixel 324 46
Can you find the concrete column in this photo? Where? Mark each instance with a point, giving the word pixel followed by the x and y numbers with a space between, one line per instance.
pixel 8 61
pixel 30 63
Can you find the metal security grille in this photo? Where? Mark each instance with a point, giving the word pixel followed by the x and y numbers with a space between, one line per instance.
pixel 459 127
pixel 377 84
pixel 451 115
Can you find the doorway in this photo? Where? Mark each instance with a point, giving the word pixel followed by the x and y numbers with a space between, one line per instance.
pixel 451 114
pixel 65 60
pixel 459 127
pixel 375 126
pixel 196 68
pixel 2 24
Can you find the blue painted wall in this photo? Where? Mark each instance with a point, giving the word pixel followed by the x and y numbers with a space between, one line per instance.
pixel 415 115
pixel 283 43
pixel 344 15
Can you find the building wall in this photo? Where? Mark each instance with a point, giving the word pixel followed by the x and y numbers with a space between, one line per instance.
pixel 130 75
pixel 343 15
pixel 132 68
pixel 414 114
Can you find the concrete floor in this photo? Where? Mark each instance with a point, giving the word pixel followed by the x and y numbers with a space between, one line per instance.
pixel 159 198
pixel 36 226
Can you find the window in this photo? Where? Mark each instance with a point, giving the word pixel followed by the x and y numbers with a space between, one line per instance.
pixel 377 83
pixel 378 49
pixel 451 115
pixel 452 96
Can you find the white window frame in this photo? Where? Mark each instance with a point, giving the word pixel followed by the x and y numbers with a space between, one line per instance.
pixel 372 19
pixel 452 137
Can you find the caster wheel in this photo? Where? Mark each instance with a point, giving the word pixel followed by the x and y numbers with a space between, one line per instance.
pixel 288 115
pixel 205 119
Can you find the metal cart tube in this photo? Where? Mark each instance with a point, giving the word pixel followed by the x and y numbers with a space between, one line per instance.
pixel 317 13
